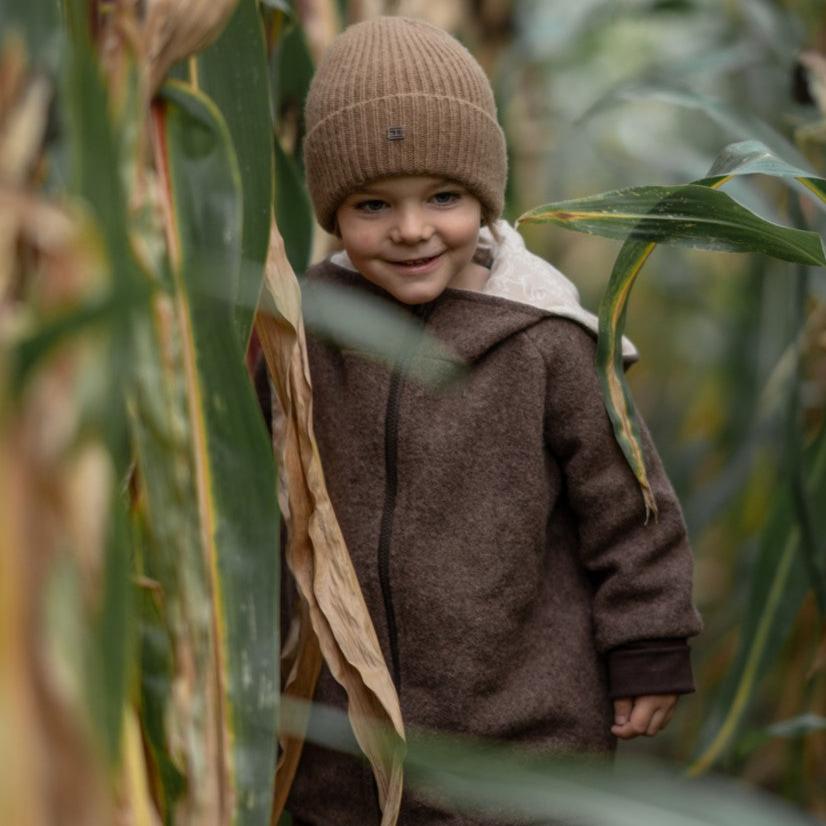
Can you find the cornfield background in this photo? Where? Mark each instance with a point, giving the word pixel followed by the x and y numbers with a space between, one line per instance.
pixel 139 525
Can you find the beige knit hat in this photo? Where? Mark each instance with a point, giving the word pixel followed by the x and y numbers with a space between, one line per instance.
pixel 395 96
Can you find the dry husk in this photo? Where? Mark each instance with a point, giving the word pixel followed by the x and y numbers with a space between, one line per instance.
pixel 316 554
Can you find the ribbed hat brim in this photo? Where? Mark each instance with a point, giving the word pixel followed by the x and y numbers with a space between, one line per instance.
pixel 352 147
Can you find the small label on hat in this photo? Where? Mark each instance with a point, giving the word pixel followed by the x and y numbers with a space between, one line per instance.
pixel 395 133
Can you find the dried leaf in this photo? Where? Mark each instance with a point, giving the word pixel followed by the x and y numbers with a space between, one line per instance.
pixel 52 770
pixel 175 29
pixel 316 552
pixel 24 104
pixel 301 662
pixel 320 23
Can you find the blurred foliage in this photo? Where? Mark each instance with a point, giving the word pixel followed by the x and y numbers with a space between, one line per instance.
pixel 603 96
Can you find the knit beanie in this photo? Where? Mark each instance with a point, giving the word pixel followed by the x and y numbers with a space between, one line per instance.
pixel 395 96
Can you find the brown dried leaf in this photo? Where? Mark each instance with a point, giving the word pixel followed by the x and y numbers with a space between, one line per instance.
pixel 23 132
pixel 52 768
pixel 301 662
pixel 59 238
pixel 320 23
pixel 316 552
pixel 51 772
pixel 136 807
pixel 175 29
pixel 24 104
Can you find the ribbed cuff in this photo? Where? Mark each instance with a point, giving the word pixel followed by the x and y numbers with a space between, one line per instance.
pixel 650 667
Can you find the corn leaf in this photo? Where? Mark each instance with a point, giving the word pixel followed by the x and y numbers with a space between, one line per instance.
pixel 693 215
pixel 292 209
pixel 778 584
pixel 157 663
pixel 377 329
pixel 177 649
pixel 689 215
pixel 231 459
pixel 780 581
pixel 484 779
pixel 294 69
pixel 96 179
pixel 233 72
pixel 754 158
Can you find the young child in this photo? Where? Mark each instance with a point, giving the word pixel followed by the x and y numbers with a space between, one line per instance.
pixel 497 532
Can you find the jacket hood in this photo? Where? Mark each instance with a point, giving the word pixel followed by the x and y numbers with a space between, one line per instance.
pixel 519 276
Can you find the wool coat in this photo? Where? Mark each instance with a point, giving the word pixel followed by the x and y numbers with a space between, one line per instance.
pixel 499 539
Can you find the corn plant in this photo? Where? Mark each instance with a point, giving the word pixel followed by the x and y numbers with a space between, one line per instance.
pixel 696 215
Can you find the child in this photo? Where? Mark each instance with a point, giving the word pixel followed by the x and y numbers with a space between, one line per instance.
pixel 495 527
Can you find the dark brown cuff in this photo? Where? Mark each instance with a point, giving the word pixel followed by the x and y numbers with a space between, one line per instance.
pixel 650 667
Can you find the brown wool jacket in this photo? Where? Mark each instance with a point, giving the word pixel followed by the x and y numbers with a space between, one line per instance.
pixel 500 542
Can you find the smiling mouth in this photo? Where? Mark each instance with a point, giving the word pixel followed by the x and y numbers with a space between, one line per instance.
pixel 416 262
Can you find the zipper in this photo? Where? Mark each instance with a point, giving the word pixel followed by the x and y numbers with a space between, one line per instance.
pixel 391 488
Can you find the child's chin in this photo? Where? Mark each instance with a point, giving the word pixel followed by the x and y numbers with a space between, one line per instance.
pixel 419 295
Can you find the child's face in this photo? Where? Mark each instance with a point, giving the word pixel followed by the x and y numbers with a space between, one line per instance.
pixel 412 236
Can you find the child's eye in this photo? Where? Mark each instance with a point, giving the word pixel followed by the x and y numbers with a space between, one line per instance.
pixel 371 205
pixel 446 198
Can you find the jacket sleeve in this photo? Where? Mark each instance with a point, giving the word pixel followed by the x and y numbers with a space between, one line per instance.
pixel 641 573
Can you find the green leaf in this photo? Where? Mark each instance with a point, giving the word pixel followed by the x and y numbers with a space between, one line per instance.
pixel 294 214
pixel 39 22
pixel 693 215
pixel 232 457
pixel 114 631
pixel 689 215
pixel 175 615
pixel 754 158
pixel 156 678
pixel 777 587
pixel 615 392
pixel 377 329
pixel 294 70
pixel 481 778
pixel 234 73
pixel 793 729
pixel 797 726
pixel 96 179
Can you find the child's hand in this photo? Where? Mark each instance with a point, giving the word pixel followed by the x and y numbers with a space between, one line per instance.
pixel 647 715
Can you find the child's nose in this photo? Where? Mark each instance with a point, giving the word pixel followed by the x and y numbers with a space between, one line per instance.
pixel 411 227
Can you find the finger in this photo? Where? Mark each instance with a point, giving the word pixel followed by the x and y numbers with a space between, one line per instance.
pixel 622 710
pixel 657 722
pixel 641 714
pixel 624 731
